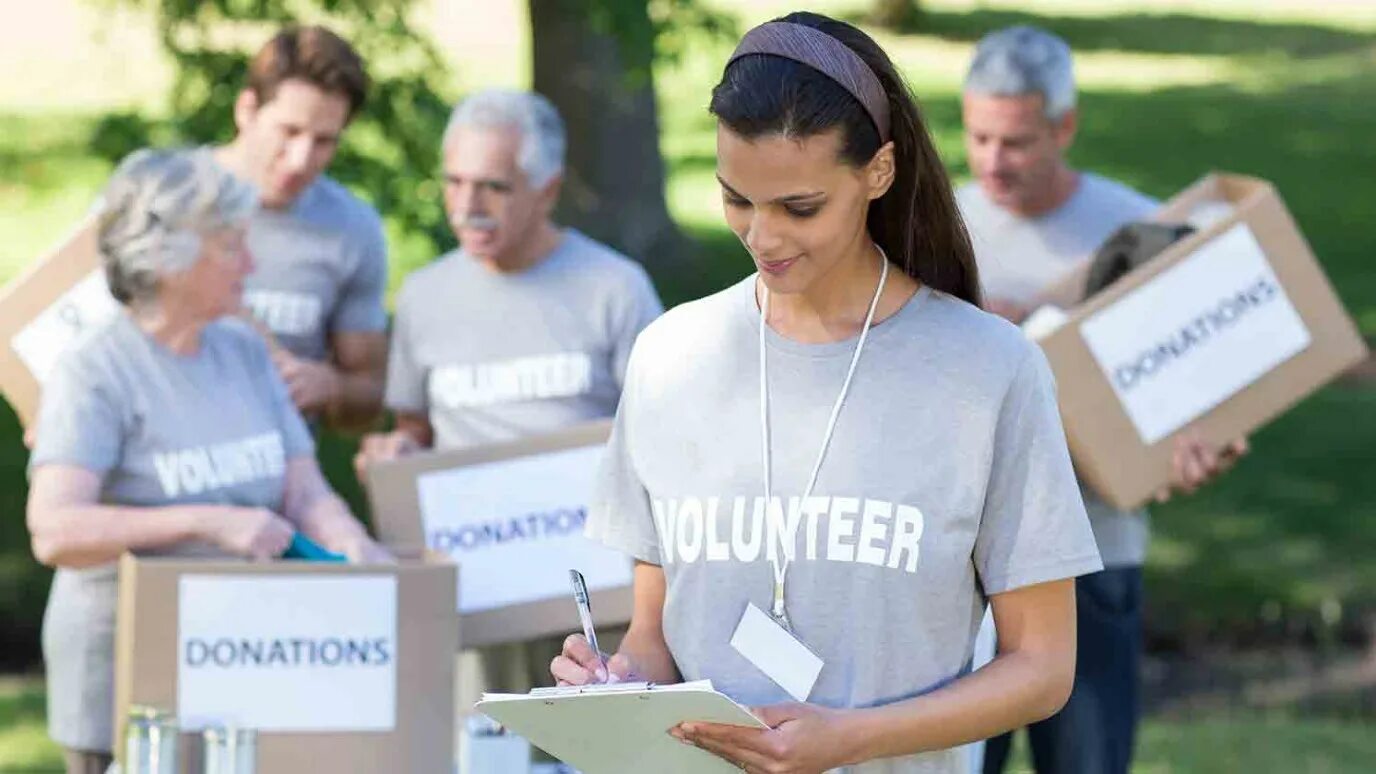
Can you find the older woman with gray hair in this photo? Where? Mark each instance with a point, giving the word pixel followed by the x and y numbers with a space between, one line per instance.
pixel 165 431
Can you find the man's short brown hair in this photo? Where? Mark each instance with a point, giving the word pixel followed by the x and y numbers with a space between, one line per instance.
pixel 311 54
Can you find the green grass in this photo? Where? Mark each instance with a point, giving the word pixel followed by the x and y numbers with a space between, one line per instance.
pixel 1242 743
pixel 24 743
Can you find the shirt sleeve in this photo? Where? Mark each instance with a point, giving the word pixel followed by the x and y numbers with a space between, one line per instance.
pixel 620 516
pixel 360 307
pixel 405 390
pixel 641 307
pixel 79 419
pixel 1033 528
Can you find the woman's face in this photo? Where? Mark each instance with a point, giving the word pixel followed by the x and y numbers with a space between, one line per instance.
pixel 213 286
pixel 795 204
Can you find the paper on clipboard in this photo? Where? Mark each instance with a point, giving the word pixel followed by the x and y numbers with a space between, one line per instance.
pixel 619 729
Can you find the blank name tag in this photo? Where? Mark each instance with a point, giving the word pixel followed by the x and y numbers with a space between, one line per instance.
pixel 776 652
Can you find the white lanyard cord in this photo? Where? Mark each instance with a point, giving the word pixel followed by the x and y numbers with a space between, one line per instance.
pixel 780 564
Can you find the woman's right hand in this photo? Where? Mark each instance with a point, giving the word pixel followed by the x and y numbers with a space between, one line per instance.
pixel 255 533
pixel 579 665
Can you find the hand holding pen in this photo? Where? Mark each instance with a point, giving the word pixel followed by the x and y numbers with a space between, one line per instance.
pixel 582 663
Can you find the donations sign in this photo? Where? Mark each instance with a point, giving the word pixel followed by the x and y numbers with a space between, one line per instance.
pixel 288 653
pixel 515 527
pixel 1196 334
pixel 511 516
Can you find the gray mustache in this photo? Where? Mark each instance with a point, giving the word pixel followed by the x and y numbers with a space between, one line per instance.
pixel 480 222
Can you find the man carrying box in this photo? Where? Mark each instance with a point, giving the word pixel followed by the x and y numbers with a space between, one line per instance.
pixel 1033 219
pixel 525 329
pixel 320 252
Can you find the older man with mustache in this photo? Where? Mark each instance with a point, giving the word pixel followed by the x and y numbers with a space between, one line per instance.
pixel 525 329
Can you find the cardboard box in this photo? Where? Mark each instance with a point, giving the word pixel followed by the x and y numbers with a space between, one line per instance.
pixel 44 310
pixel 339 667
pixel 511 516
pixel 1219 333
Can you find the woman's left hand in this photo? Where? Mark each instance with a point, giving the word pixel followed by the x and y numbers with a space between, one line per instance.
pixel 801 738
pixel 366 551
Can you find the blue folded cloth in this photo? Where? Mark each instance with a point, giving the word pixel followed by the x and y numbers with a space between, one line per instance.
pixel 303 547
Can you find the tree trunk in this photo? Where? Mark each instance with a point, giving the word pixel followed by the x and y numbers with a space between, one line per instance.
pixel 614 176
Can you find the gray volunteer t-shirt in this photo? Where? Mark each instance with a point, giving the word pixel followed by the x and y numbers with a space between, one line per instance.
pixel 947 480
pixel 160 429
pixel 492 357
pixel 321 269
pixel 1020 257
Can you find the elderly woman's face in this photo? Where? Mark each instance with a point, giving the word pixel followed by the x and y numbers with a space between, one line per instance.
pixel 213 286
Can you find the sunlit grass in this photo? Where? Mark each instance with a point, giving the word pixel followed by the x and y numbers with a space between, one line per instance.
pixel 24 743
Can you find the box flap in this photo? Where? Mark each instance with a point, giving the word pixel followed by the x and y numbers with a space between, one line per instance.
pixel 25 298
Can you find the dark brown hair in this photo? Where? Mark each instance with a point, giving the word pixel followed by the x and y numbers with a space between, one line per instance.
pixel 916 222
pixel 311 54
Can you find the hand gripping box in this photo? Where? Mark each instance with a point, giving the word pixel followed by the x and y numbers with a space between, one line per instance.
pixel 44 310
pixel 338 667
pixel 1221 332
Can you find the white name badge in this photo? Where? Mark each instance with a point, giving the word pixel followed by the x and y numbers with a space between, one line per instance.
pixel 776 652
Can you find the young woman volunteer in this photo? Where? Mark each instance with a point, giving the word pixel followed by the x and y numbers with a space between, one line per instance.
pixel 907 444
pixel 165 430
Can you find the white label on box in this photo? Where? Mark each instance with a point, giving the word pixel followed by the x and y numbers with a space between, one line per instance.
pixel 85 305
pixel 288 653
pixel 1196 334
pixel 515 528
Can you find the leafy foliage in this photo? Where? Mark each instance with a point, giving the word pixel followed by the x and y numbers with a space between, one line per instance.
pixel 391 152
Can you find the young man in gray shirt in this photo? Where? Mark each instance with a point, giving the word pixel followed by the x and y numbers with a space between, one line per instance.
pixel 1032 219
pixel 322 259
pixel 525 329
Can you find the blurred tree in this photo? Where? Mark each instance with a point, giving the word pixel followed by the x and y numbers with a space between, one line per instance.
pixel 895 14
pixel 593 59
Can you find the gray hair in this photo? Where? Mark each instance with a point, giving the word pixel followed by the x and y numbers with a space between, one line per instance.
pixel 541 156
pixel 1024 60
pixel 153 211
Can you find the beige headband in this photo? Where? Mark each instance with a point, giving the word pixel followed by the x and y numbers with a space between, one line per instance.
pixel 825 54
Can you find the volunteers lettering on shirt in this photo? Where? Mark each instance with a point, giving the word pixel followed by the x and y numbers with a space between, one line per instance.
pixel 537 377
pixel 284 313
pixel 867 531
pixel 198 469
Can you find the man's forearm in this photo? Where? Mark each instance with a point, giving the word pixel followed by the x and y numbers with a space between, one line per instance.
pixel 358 401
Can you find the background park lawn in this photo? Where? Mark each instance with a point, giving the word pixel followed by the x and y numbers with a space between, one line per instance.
pixel 1278 551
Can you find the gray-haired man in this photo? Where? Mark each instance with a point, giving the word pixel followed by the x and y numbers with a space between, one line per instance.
pixel 526 328
pixel 1032 219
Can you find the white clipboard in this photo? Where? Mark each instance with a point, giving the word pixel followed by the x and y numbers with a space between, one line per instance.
pixel 619 729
